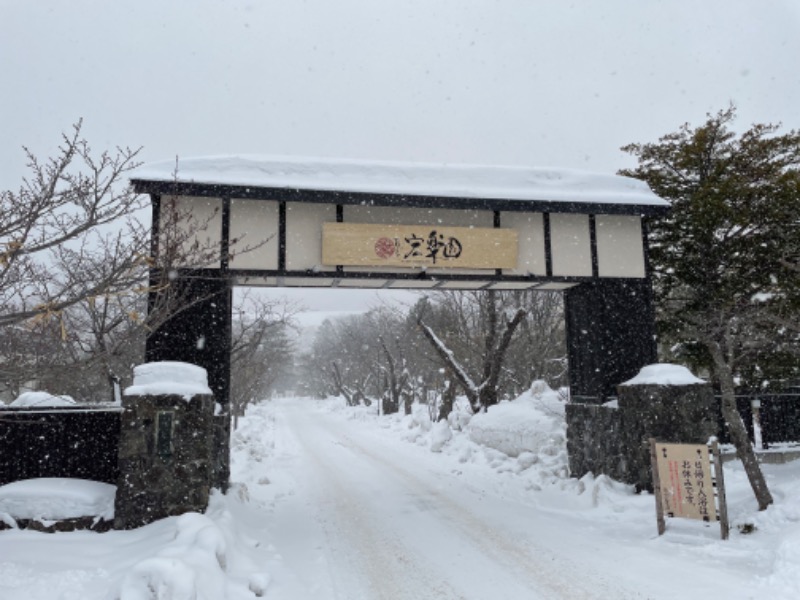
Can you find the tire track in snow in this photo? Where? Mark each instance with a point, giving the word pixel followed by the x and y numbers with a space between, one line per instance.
pixel 392 568
pixel 391 571
pixel 535 564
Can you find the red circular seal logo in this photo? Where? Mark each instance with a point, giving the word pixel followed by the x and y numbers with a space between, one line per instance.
pixel 384 247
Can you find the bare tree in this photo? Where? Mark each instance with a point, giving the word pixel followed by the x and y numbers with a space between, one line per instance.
pixel 76 270
pixel 482 390
pixel 261 350
pixel 355 343
pixel 353 393
pixel 538 351
pixel 70 232
pixel 396 382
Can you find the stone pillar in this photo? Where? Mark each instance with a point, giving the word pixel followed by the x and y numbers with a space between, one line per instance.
pixel 668 403
pixel 199 332
pixel 595 441
pixel 166 450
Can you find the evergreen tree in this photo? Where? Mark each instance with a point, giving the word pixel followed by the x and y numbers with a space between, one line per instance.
pixel 723 257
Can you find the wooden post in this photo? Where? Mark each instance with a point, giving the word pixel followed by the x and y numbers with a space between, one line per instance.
pixel 662 525
pixel 720 481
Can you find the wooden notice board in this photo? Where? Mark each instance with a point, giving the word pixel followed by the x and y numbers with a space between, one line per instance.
pixel 685 484
pixel 375 245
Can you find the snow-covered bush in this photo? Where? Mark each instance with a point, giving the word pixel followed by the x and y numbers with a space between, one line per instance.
pixel 41 399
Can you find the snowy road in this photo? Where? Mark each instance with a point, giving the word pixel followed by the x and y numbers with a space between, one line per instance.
pixel 332 503
pixel 367 519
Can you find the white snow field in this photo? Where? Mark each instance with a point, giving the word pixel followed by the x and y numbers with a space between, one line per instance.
pixel 331 502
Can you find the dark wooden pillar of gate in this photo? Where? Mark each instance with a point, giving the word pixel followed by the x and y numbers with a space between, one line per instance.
pixel 610 335
pixel 197 330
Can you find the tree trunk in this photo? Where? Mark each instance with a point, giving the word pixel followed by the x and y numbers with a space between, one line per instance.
pixel 408 401
pixel 485 395
pixel 339 388
pixel 493 361
pixel 738 432
pixel 448 399
pixel 394 384
pixel 455 369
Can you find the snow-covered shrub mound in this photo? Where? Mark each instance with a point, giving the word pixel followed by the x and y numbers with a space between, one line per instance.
pixel 440 435
pixel 41 400
pixel 55 499
pixel 254 438
pixel 461 414
pixel 338 404
pixel 191 567
pixel 533 422
pixel 416 425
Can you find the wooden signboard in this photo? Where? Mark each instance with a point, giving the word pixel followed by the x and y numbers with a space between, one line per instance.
pixel 370 245
pixel 685 485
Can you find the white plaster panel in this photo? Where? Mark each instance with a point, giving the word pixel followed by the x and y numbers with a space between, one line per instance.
pixel 620 248
pixel 192 221
pixel 570 245
pixel 530 236
pixel 254 223
pixel 304 235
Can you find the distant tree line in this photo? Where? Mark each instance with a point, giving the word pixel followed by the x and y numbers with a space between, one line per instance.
pixel 387 354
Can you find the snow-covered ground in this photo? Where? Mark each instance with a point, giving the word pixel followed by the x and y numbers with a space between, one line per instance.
pixel 336 502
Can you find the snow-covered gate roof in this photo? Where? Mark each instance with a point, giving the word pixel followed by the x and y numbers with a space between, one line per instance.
pixel 324 222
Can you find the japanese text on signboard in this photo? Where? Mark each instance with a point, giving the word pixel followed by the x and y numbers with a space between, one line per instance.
pixel 687 487
pixel 433 246
pixel 360 244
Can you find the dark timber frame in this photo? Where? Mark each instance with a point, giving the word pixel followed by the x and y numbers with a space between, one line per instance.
pixel 609 320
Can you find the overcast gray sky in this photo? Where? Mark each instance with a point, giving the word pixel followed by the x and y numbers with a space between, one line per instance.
pixel 518 82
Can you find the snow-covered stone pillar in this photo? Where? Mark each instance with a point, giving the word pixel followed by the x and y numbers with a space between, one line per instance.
pixel 665 402
pixel 668 403
pixel 166 444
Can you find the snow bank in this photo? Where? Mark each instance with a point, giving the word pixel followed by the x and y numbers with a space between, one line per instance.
pixel 440 435
pixel 169 377
pixel 191 567
pixel 209 556
pixel 531 423
pixel 41 399
pixel 229 552
pixel 54 499
pixel 664 374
